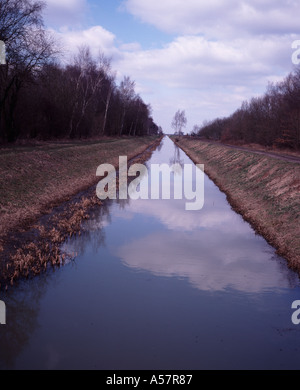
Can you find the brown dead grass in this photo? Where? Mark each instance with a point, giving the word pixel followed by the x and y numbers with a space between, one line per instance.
pixel 264 190
pixel 75 171
pixel 34 179
pixel 33 257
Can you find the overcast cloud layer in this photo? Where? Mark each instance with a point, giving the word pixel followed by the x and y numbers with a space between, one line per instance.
pixel 219 18
pixel 219 52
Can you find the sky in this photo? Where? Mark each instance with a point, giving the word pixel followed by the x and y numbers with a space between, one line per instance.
pixel 204 57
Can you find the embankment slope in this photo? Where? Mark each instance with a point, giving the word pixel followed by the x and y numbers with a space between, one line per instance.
pixel 264 190
pixel 34 179
pixel 47 191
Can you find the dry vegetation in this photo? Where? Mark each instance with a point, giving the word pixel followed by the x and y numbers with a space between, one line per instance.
pixel 33 179
pixel 265 190
pixel 36 179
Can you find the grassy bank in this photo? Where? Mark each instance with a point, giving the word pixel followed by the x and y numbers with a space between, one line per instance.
pixel 47 191
pixel 266 191
pixel 35 178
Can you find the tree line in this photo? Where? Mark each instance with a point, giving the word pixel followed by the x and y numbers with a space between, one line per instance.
pixel 270 120
pixel 40 97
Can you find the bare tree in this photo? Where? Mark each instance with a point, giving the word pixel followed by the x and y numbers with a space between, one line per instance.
pixel 28 48
pixel 40 97
pixel 110 77
pixel 87 79
pixel 270 120
pixel 179 122
pixel 196 130
pixel 127 94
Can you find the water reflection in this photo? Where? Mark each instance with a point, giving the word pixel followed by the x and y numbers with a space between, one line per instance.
pixel 92 232
pixel 177 157
pixel 213 248
pixel 22 318
pixel 173 215
pixel 209 262
pixel 124 313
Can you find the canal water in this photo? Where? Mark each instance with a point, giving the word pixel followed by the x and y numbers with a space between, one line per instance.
pixel 154 286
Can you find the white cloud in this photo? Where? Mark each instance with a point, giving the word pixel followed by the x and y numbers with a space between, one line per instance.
pixel 194 62
pixel 206 78
pixel 96 37
pixel 218 18
pixel 65 12
pixel 223 52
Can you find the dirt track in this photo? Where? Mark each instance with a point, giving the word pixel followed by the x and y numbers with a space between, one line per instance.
pixel 275 155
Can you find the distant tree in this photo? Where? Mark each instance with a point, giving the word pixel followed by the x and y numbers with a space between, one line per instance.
pixel 270 120
pixel 195 131
pixel 179 122
pixel 160 131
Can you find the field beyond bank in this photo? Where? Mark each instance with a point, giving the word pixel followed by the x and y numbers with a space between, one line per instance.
pixel 35 178
pixel 264 190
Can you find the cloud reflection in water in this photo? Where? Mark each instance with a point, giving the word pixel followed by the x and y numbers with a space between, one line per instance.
pixel 214 249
